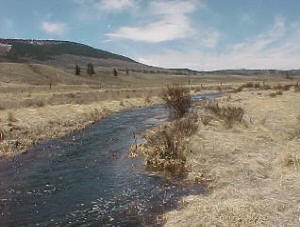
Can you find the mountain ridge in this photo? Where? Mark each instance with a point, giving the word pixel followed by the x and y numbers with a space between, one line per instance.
pixel 66 54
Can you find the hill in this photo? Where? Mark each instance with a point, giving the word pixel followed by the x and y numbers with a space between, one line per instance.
pixel 61 53
pixel 65 54
pixel 47 49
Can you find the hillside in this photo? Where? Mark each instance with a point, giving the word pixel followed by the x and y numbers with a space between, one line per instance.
pixel 47 49
pixel 62 54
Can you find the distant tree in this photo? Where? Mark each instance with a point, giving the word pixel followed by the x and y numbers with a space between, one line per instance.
pixel 90 69
pixel 287 76
pixel 127 71
pixel 77 70
pixel 115 72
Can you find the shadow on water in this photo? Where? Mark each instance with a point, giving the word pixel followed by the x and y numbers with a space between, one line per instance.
pixel 86 178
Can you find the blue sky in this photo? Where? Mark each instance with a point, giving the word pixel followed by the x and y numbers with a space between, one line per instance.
pixel 197 34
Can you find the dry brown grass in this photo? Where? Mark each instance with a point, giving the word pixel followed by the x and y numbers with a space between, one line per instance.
pixel 253 173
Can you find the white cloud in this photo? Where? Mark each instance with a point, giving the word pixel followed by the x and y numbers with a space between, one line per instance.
pixel 107 5
pixel 172 23
pixel 54 28
pixel 114 5
pixel 275 48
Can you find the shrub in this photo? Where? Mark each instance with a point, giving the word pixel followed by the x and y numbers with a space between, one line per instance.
pixel 257 85
pixel 11 117
pixel 237 90
pixel 90 69
pixel 165 148
pixel 248 85
pixel 148 100
pixel 297 88
pixel 283 88
pixel 230 114
pixel 2 134
pixel 77 70
pixel 266 87
pixel 40 103
pixel 115 72
pixel 205 119
pixel 273 95
pixel 177 99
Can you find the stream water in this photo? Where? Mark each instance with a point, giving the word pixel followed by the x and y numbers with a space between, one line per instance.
pixel 87 179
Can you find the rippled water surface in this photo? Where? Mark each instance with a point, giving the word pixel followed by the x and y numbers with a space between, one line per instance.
pixel 87 178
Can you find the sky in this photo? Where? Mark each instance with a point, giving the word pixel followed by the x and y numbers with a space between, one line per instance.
pixel 195 34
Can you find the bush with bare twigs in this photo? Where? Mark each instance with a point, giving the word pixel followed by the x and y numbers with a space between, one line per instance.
pixel 178 99
pixel 230 114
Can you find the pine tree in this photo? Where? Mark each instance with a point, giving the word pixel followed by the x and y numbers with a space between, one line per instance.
pixel 90 69
pixel 77 70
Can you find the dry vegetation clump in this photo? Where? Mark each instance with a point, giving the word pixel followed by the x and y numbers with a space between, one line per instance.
pixel 295 134
pixel 289 159
pixel 205 119
pixel 283 87
pixel 198 89
pixel 178 99
pixel 237 90
pixel 257 85
pixel 229 114
pixel 165 147
pixel 40 103
pixel 274 94
pixel 148 100
pixel 297 88
pixel 2 135
pixel 11 117
pixel 246 85
pixel 266 87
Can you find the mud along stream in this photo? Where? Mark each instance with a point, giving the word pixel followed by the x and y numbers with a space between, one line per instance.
pixel 86 178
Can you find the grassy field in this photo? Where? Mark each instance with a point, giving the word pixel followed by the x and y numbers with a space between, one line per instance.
pixel 251 165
